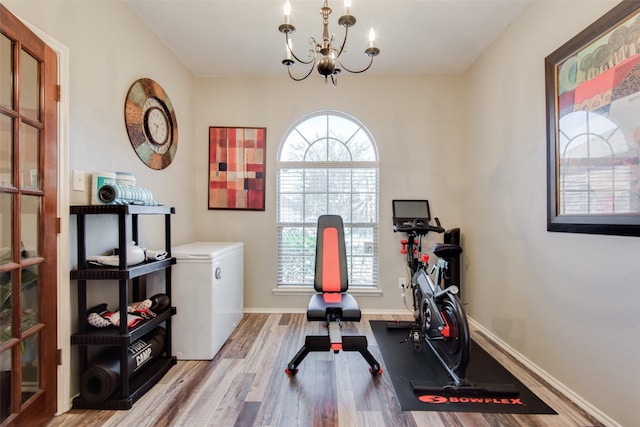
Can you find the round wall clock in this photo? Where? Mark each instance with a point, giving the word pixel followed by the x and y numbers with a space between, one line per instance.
pixel 151 123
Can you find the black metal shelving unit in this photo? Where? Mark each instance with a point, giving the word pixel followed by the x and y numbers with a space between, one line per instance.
pixel 128 278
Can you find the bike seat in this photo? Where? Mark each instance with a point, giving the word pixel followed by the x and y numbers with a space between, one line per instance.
pixel 446 250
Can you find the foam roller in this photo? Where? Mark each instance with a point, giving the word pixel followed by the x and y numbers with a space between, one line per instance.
pixel 102 378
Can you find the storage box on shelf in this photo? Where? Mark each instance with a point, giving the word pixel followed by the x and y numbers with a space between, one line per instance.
pixel 128 278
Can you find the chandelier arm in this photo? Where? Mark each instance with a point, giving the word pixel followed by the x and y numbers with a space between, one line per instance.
pixel 312 60
pixel 299 79
pixel 344 42
pixel 357 71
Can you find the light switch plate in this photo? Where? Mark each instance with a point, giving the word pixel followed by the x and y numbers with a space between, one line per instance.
pixel 78 180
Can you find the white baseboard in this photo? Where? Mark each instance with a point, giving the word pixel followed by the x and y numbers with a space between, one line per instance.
pixel 275 310
pixel 588 407
pixel 289 310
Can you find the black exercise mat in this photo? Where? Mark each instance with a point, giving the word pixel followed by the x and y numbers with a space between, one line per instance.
pixel 405 365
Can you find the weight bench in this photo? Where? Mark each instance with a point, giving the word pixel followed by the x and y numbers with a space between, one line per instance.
pixel 331 304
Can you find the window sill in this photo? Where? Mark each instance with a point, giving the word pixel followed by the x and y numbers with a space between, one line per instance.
pixel 299 290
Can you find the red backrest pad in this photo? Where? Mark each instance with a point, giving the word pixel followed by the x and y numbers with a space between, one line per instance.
pixel 330 261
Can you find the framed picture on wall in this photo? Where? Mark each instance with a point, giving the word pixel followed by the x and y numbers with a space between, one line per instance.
pixel 237 168
pixel 593 127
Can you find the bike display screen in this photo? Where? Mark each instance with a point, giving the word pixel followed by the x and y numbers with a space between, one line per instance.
pixel 409 210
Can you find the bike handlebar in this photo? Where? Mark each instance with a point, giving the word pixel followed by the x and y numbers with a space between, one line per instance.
pixel 419 227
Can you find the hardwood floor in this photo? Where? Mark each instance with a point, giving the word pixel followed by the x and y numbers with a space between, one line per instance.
pixel 245 385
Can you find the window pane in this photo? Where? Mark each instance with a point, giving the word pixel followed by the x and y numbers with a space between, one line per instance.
pixel 30 87
pixel 6 221
pixel 294 148
pixel 5 384
pixel 365 180
pixel 337 152
pixel 317 152
pixel 291 180
pixel 30 366
pixel 6 312
pixel 29 288
pixel 291 208
pixel 29 224
pixel 340 204
pixel 313 128
pixel 361 148
pixel 340 180
pixel 365 208
pixel 6 71
pixel 297 255
pixel 315 181
pixel 6 150
pixel 360 254
pixel 29 156
pixel 342 128
pixel 314 206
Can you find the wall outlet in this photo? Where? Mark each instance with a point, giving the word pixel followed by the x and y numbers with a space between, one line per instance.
pixel 402 282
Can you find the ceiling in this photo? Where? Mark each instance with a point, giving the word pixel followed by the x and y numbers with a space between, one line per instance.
pixel 240 37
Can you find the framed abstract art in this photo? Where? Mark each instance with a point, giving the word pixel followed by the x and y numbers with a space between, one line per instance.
pixel 593 127
pixel 237 168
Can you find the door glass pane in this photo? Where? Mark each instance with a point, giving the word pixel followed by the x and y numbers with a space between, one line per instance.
pixel 6 71
pixel 5 384
pixel 6 209
pixel 29 155
pixel 5 306
pixel 6 150
pixel 30 290
pixel 29 224
pixel 30 366
pixel 30 89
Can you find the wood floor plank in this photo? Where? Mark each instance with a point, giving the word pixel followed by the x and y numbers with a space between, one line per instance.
pixel 243 338
pixel 203 401
pixel 347 414
pixel 245 385
pixel 428 418
pixel 371 418
pixel 248 414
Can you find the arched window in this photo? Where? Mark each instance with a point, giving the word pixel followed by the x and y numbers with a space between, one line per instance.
pixel 327 164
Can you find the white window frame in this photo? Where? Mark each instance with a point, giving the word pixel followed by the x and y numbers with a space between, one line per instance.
pixel 355 249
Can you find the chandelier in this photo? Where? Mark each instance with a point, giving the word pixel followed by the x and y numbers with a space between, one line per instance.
pixel 323 55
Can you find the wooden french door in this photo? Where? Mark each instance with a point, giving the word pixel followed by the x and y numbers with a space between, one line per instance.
pixel 28 225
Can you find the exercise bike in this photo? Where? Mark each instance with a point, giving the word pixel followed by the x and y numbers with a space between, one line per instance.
pixel 440 320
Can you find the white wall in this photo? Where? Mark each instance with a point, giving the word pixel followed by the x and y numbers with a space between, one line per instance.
pixel 568 302
pixel 415 122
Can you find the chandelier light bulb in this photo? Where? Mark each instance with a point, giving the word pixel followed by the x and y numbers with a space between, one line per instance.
pixel 372 37
pixel 347 7
pixel 287 11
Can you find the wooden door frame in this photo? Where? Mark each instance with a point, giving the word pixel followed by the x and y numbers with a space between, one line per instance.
pixel 63 200
pixel 64 257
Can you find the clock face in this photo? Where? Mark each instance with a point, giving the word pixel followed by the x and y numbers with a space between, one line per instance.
pixel 151 124
pixel 156 126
